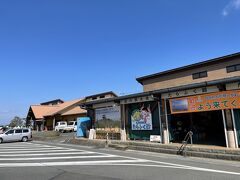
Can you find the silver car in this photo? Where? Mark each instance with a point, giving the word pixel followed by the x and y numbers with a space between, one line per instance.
pixel 24 135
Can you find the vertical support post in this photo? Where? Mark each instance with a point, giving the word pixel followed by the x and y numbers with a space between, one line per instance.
pixel 190 135
pixel 230 129
pixel 107 140
pixel 166 114
pixel 225 129
pixel 127 126
pixel 53 123
pixel 123 116
pixel 42 125
pixel 160 122
pixel 123 129
pixel 234 128
pixel 163 122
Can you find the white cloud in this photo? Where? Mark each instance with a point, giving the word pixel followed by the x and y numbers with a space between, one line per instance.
pixel 232 5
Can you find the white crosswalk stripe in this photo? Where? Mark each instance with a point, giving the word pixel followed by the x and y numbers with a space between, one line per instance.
pixel 34 155
pixel 46 154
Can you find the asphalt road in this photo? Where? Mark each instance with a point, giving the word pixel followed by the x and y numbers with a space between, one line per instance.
pixel 45 161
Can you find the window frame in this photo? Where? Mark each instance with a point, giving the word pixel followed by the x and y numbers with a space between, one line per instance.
pixel 9 131
pixel 25 130
pixel 233 68
pixel 199 75
pixel 15 132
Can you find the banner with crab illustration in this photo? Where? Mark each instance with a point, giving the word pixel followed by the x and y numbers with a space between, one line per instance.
pixel 141 119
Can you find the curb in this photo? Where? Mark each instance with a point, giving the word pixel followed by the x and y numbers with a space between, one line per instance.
pixel 233 155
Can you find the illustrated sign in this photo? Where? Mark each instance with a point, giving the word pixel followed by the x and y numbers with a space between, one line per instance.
pixel 108 117
pixel 206 102
pixel 141 119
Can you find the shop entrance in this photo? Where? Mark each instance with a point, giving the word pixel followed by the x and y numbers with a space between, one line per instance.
pixel 207 127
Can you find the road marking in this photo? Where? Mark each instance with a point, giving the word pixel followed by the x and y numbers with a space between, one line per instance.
pixel 176 167
pixel 74 163
pixel 51 158
pixel 23 149
pixel 130 161
pixel 57 150
pixel 46 154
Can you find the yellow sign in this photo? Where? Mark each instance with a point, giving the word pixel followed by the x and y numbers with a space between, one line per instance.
pixel 206 102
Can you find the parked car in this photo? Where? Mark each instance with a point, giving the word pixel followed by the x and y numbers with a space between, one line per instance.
pixel 73 124
pixel 62 126
pixel 24 135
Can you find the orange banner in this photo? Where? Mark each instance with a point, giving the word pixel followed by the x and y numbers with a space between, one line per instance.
pixel 206 102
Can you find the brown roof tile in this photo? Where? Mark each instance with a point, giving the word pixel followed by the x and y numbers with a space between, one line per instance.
pixel 75 110
pixel 40 110
pixel 65 108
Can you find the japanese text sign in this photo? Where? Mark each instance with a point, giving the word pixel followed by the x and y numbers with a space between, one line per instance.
pixel 206 102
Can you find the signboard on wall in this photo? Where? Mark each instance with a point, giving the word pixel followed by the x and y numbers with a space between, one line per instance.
pixel 141 119
pixel 137 100
pixel 206 102
pixel 190 92
pixel 108 117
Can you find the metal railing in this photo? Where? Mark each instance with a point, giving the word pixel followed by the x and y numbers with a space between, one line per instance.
pixel 182 149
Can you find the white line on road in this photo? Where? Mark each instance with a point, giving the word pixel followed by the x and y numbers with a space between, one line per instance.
pixel 57 150
pixel 126 157
pixel 158 164
pixel 51 158
pixel 46 154
pixel 23 149
pixel 74 163
pixel 176 167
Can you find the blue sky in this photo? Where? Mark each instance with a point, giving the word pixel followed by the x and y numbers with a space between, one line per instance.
pixel 72 48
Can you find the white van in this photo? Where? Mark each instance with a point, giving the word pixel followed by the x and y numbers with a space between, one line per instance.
pixel 73 124
pixel 24 135
pixel 63 126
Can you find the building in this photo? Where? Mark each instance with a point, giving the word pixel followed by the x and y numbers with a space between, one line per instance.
pixel 104 112
pixel 202 97
pixel 47 114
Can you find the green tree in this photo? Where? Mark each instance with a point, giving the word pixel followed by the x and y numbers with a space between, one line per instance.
pixel 16 121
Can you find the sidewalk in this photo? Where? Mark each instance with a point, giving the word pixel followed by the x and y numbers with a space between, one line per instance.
pixel 204 151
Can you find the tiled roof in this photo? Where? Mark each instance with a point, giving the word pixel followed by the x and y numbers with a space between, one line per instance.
pixel 66 108
pixel 75 110
pixel 40 110
pixel 63 106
